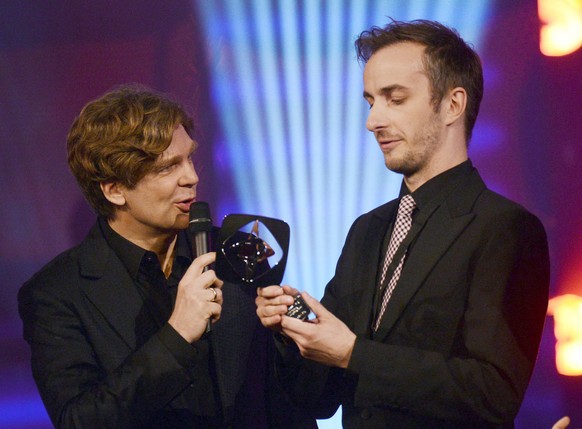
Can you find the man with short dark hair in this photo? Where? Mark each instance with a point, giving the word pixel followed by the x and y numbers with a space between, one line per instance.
pixel 434 315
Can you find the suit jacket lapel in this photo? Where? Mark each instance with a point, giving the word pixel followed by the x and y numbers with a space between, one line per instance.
pixel 109 287
pixel 442 223
pixel 231 340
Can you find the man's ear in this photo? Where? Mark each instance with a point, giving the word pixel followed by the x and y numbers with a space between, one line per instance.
pixel 113 191
pixel 456 103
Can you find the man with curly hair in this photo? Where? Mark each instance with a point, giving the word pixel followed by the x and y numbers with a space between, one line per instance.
pixel 117 324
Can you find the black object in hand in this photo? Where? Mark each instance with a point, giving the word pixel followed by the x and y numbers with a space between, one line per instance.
pixel 299 309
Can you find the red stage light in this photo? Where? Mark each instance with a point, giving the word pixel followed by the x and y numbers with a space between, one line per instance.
pixel 561 30
pixel 567 312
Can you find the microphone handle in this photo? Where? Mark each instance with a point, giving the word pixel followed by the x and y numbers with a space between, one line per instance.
pixel 200 248
pixel 200 244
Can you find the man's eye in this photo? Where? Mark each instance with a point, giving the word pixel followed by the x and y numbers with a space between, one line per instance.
pixel 397 101
pixel 166 168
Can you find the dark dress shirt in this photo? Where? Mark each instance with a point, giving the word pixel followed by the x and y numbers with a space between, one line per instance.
pixel 159 295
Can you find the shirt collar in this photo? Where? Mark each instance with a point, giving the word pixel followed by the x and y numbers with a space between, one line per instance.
pixel 131 255
pixel 438 186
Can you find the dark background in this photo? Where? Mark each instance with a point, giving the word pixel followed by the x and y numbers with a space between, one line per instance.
pixel 55 56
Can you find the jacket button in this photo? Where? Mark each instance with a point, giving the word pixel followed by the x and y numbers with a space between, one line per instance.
pixel 366 414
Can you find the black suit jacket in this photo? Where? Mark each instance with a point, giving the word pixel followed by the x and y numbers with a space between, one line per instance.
pixel 458 342
pixel 98 362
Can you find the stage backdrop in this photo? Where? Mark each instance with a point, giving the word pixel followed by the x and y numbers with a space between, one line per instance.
pixel 275 90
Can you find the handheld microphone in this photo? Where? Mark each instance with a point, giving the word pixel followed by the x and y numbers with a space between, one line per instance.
pixel 199 227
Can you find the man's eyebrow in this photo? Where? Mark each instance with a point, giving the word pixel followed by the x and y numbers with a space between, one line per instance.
pixel 387 90
pixel 166 162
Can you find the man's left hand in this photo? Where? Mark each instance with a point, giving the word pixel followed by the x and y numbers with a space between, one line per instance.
pixel 325 339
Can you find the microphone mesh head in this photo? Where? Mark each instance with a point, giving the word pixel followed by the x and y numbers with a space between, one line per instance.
pixel 200 220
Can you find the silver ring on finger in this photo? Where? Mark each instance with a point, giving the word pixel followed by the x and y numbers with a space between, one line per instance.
pixel 215 294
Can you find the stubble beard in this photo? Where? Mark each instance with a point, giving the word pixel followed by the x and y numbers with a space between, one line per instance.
pixel 418 152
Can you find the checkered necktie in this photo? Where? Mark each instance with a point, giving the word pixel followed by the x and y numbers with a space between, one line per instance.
pixel 401 228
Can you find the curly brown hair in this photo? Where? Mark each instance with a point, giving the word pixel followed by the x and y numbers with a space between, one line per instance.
pixel 118 138
pixel 449 62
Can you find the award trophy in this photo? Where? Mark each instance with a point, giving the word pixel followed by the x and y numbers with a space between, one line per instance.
pixel 252 250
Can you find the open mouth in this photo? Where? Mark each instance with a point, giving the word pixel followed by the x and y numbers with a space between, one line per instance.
pixel 184 205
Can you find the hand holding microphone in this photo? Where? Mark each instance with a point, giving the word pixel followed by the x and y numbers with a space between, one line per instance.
pixel 199 296
pixel 198 300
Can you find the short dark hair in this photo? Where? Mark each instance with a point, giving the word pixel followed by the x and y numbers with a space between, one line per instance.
pixel 449 62
pixel 118 138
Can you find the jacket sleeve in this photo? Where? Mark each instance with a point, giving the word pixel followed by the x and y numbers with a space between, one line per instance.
pixel 76 389
pixel 314 387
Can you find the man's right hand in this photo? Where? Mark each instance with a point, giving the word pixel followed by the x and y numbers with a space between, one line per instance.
pixel 199 298
pixel 272 303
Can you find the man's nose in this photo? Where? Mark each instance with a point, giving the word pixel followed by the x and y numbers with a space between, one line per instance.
pixel 376 119
pixel 190 177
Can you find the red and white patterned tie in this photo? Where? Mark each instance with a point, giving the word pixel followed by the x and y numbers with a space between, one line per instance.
pixel 401 228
